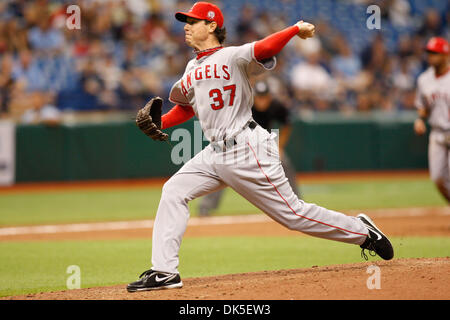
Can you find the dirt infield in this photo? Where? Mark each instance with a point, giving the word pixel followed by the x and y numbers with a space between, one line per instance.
pixel 400 278
pixel 404 279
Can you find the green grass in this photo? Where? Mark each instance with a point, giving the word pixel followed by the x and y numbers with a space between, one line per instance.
pixel 77 206
pixel 392 193
pixel 131 204
pixel 31 267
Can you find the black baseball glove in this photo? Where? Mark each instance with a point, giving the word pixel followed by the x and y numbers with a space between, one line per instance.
pixel 148 119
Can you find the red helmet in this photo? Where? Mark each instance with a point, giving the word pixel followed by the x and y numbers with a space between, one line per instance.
pixel 437 45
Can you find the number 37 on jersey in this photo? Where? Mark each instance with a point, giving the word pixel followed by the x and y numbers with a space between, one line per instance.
pixel 220 96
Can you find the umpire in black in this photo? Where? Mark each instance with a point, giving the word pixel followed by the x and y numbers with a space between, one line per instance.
pixel 266 111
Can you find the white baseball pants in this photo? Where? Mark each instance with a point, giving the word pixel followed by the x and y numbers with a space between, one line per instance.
pixel 252 168
pixel 439 161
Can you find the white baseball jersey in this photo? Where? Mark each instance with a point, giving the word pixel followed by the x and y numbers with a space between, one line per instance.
pixel 218 89
pixel 433 94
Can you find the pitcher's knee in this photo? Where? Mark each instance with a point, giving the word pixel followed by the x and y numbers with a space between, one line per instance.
pixel 172 192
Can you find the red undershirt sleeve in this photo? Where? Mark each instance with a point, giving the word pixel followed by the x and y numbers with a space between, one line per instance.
pixel 178 114
pixel 264 49
pixel 272 45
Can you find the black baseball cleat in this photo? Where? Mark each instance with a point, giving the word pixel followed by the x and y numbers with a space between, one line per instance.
pixel 376 241
pixel 155 280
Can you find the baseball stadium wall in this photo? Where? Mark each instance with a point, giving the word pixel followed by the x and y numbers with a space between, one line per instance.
pixel 118 150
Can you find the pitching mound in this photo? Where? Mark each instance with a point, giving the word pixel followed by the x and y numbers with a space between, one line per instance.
pixel 403 279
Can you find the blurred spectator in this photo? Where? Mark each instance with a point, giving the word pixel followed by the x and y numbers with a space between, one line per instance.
pixel 13 36
pixel 109 72
pixel 6 84
pixel 363 102
pixel 404 47
pixel 127 51
pixel 81 45
pixel 312 84
pixel 446 33
pixel 138 8
pixel 137 86
pixel 41 110
pixel 246 19
pixel 310 46
pixel 432 24
pixel 327 37
pixel 345 64
pixel 26 70
pixel 95 85
pixel 374 55
pixel 154 30
pixel 399 12
pixel 278 83
pixel 44 38
pixel 403 78
pixel 245 26
pixel 417 59
pixel 406 101
pixel 16 9
pixel 309 75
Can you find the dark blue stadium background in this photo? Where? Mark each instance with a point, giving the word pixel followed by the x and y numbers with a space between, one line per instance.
pixel 129 51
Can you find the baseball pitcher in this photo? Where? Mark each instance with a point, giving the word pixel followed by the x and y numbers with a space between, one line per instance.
pixel 215 88
pixel 433 103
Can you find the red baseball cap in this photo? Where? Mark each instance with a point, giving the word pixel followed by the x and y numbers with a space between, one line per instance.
pixel 437 45
pixel 202 11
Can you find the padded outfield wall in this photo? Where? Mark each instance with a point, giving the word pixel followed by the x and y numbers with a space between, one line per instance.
pixel 118 150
